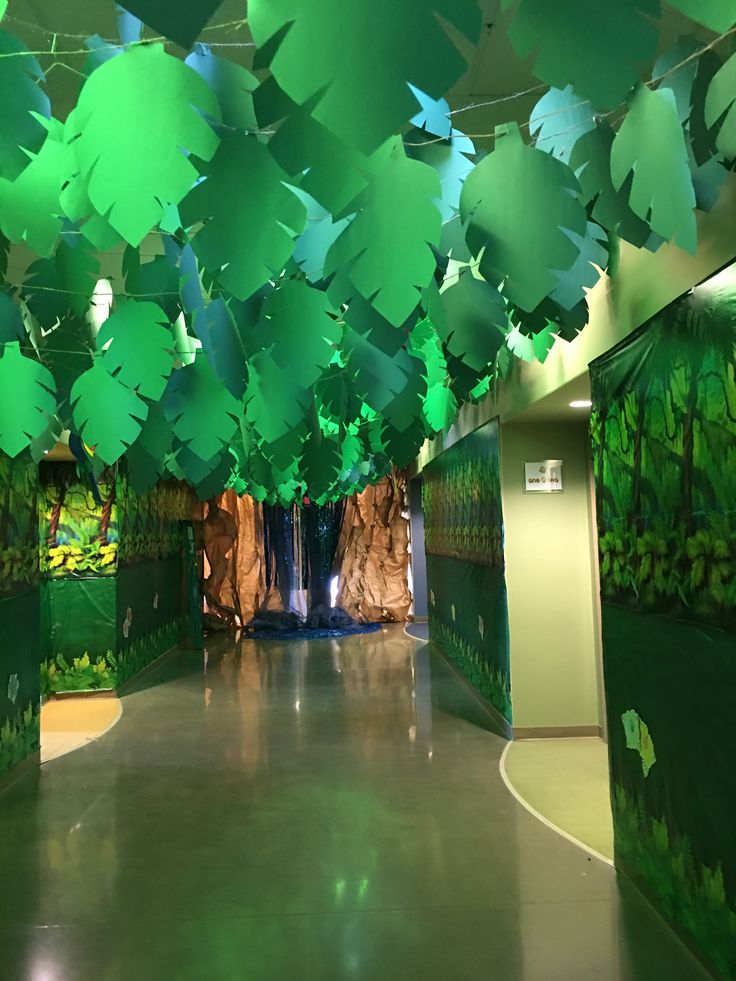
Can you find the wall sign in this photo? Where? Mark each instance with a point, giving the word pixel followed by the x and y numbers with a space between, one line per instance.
pixel 543 477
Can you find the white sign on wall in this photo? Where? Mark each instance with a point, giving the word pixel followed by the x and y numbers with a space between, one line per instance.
pixel 543 477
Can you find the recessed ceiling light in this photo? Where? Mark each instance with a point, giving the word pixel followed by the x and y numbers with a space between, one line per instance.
pixel 581 404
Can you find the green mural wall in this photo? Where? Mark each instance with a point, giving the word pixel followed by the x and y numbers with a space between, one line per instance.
pixel 664 434
pixel 19 613
pixel 463 525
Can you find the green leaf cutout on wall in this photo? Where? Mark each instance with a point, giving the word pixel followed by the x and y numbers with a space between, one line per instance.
pixel 249 225
pixel 106 414
pixel 24 103
pixel 650 145
pixel 138 118
pixel 352 63
pixel 182 22
pixel 597 46
pixel 137 347
pixel 519 205
pixel 28 404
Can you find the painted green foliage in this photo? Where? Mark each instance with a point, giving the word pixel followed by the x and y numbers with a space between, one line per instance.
pixel 19 567
pixel 150 523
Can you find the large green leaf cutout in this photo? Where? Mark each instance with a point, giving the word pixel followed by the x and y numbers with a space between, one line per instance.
pixel 146 457
pixel 558 121
pixel 250 224
pixel 106 414
pixel 23 101
pixel 351 62
pixel 29 205
pixel 520 205
pixel 232 84
pixel 475 322
pixel 378 373
pixel 156 280
pixel 27 405
pixel 62 285
pixel 452 161
pixel 321 464
pixel 385 254
pixel 182 22
pixel 720 107
pixel 138 118
pixel 137 347
pixel 273 406
pixel 312 246
pixel 299 327
pixel 203 414
pixel 651 146
pixel 718 15
pixel 598 46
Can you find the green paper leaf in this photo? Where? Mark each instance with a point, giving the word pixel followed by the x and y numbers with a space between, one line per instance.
pixel 232 84
pixel 558 121
pixel 23 100
pixel 273 404
pixel 718 15
pixel 67 351
pixel 404 410
pixel 147 455
pixel 203 414
pixel 385 254
pixel 520 205
pixel 670 72
pixel 720 107
pixel 137 347
pixel 29 205
pixel 28 404
pixel 106 414
pixel 63 285
pixel 3 8
pixel 451 160
pixel 651 146
pixel 182 22
pixel 224 347
pixel 378 376
pixel 336 397
pixel 351 62
pixel 316 240
pixel 156 281
pixel 321 464
pixel 11 320
pixel 250 225
pixel 592 252
pixel 597 46
pixel 475 322
pixel 138 118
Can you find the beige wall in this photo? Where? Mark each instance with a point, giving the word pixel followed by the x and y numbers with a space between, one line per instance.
pixel 551 579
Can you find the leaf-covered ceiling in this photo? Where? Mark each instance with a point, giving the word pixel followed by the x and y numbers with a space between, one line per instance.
pixel 284 277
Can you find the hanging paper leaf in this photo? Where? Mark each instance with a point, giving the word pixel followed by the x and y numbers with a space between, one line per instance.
pixel 3 8
pixel 29 205
pixel 157 281
pixel 676 70
pixel 434 117
pixel 67 351
pixel 651 146
pixel 63 285
pixel 558 121
pixel 451 159
pixel 321 464
pixel 203 414
pixel 273 404
pixel 351 62
pixel 720 107
pixel 596 46
pixel 440 405
pixel 27 405
pixel 405 408
pixel 299 329
pixel 336 397
pixel 718 15
pixel 137 347
pixel 146 457
pixel 11 320
pixel 315 241
pixel 250 225
pixel 182 22
pixel 106 414
pixel 519 205
pixel 475 322
pixel 378 377
pixel 385 254
pixel 24 103
pixel 582 275
pixel 137 120
pixel 232 84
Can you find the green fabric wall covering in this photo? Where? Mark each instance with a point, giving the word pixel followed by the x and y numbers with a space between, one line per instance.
pixel 664 433
pixel 463 525
pixel 78 617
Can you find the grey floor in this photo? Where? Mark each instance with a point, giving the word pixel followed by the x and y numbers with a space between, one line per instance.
pixel 321 811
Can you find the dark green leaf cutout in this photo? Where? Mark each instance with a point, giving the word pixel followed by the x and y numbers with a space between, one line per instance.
pixel 146 457
pixel 232 84
pixel 321 464
pixel 67 351
pixel 583 274
pixel 23 100
pixel 11 320
pixel 182 22
pixel 475 322
pixel 63 285
pixel 720 107
pixel 203 415
pixel 452 161
pixel 106 414
pixel 317 238
pixel 156 280
pixel 520 204
pixel 385 254
pixel 250 225
pixel 558 121
pixel 28 404
pixel 138 118
pixel 718 15
pixel 137 347
pixel 272 405
pixel 223 346
pixel 598 47
pixel 651 146
pixel 378 376
pixel 351 62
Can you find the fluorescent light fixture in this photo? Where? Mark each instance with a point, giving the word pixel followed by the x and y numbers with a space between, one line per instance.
pixel 581 404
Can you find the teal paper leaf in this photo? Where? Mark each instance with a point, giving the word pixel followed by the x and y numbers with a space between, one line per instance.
pixel 137 120
pixel 582 275
pixel 250 225
pixel 520 204
pixel 224 346
pixel 28 404
pixel 23 100
pixel 316 240
pixel 63 285
pixel 720 107
pixel 351 62
pixel 182 22
pixel 558 121
pixel 107 416
pixel 651 146
pixel 385 254
pixel 202 413
pixel 434 116
pixel 597 46
pixel 718 15
pixel 137 347
pixel 232 84
pixel 11 320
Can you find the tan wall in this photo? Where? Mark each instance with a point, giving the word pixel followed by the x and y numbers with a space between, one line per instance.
pixel 551 580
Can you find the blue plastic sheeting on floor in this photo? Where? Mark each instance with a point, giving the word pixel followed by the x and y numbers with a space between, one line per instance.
pixel 317 633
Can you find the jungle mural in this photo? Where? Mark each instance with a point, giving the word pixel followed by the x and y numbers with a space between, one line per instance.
pixel 664 435
pixel 463 526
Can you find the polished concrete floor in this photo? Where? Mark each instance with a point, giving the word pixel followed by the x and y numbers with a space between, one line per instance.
pixel 322 811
